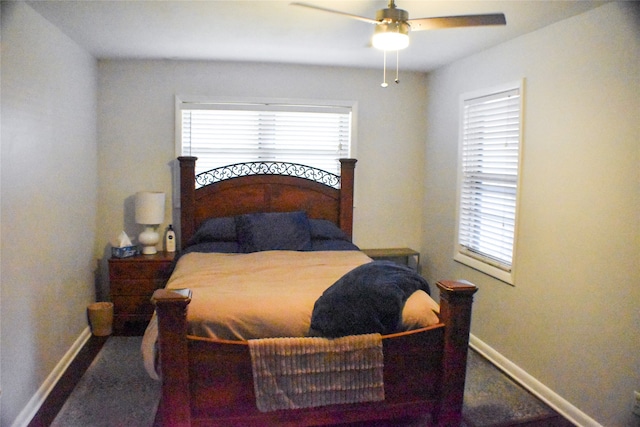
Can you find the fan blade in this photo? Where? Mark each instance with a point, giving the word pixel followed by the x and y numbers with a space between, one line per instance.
pixel 422 24
pixel 348 15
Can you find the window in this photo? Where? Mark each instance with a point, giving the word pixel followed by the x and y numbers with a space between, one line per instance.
pixel 490 140
pixel 223 132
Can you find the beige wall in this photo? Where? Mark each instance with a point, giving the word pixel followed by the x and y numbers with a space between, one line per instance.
pixel 572 320
pixel 136 126
pixel 49 182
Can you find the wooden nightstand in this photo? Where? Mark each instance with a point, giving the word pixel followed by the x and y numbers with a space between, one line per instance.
pixel 405 256
pixel 132 281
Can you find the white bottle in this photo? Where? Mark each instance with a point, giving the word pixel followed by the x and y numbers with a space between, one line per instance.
pixel 170 240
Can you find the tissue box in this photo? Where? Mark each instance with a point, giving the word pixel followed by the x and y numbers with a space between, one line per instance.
pixel 125 251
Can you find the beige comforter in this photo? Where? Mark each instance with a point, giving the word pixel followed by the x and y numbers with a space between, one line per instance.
pixel 257 295
pixel 262 294
pixel 267 294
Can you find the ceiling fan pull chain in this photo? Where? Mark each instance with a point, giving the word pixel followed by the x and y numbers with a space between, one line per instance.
pixel 397 66
pixel 384 70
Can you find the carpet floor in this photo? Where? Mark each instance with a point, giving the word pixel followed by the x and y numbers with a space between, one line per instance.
pixel 116 391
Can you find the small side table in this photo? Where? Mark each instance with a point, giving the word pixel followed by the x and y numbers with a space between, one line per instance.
pixel 132 281
pixel 404 256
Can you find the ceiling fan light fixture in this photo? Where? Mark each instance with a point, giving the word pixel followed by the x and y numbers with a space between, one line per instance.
pixel 392 26
pixel 391 36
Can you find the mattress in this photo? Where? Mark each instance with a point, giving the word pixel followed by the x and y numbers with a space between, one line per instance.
pixel 268 294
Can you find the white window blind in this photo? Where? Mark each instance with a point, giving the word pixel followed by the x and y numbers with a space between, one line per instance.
pixel 490 153
pixel 220 134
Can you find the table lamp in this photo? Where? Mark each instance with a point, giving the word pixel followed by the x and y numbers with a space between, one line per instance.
pixel 150 213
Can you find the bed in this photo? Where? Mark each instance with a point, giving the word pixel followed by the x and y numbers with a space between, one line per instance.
pixel 209 378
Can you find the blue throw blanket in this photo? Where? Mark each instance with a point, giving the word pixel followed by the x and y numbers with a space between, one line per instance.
pixel 368 299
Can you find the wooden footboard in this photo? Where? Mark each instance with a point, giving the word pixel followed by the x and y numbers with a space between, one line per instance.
pixel 210 382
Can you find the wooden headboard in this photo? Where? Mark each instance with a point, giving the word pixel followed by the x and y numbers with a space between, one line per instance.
pixel 265 187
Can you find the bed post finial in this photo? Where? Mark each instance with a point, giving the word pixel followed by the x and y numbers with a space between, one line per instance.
pixel 171 308
pixel 456 299
pixel 347 172
pixel 187 197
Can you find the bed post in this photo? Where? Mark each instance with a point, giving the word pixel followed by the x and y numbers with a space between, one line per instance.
pixel 456 298
pixel 347 171
pixel 187 197
pixel 175 404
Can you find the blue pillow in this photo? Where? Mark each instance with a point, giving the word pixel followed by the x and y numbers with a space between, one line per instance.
pixel 273 231
pixel 215 230
pixel 326 230
pixel 332 245
pixel 220 247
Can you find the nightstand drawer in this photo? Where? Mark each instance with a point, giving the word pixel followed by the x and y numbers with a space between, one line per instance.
pixel 136 286
pixel 139 270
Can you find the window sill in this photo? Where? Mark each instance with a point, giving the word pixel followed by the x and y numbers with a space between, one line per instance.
pixel 502 275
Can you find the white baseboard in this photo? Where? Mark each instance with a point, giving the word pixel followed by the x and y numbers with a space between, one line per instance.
pixel 29 411
pixel 544 393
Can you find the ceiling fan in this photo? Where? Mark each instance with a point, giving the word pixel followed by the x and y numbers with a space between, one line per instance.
pixel 393 25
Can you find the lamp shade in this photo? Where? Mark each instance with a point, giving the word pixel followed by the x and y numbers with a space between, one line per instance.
pixel 149 207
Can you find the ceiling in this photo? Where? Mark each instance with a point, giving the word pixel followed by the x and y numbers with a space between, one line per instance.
pixel 275 31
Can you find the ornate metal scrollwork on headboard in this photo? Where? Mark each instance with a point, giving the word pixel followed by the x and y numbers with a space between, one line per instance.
pixel 267 168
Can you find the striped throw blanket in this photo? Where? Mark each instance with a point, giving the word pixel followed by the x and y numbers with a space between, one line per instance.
pixel 291 373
